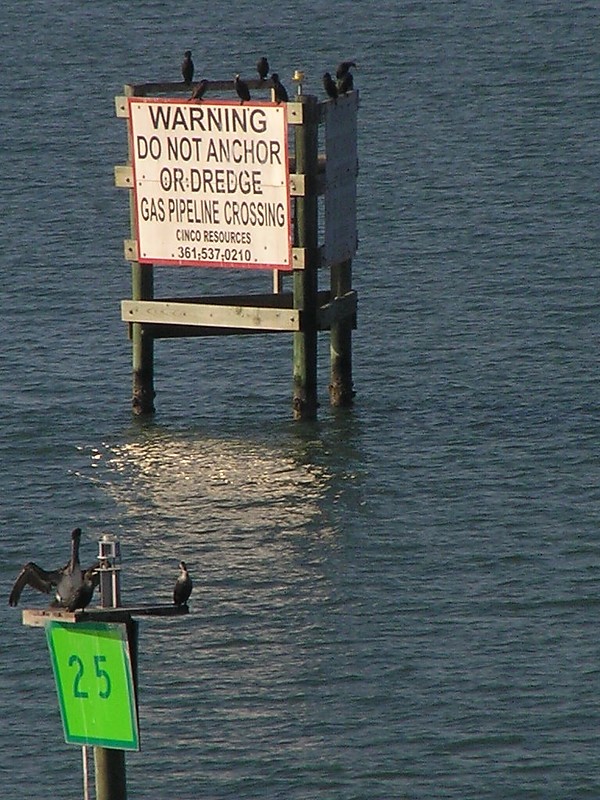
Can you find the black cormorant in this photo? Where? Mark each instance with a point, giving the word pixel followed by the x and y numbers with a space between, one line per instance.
pixel 83 595
pixel 281 94
pixel 241 87
pixel 329 85
pixel 262 67
pixel 66 581
pixel 345 83
pixel 187 67
pixel 343 68
pixel 200 90
pixel 183 586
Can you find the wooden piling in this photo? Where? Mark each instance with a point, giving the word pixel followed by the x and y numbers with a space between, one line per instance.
pixel 142 288
pixel 142 282
pixel 305 281
pixel 341 392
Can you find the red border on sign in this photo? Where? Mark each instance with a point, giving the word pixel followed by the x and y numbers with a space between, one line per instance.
pixel 192 262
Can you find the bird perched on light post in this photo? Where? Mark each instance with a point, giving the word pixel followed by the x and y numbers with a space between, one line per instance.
pixel 187 67
pixel 183 586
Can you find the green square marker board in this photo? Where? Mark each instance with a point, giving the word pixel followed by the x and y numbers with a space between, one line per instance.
pixel 94 681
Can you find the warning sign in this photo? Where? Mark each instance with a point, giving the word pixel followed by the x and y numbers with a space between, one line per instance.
pixel 211 183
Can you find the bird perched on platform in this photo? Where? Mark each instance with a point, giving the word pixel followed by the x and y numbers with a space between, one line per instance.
pixel 187 67
pixel 262 67
pixel 281 95
pixel 330 86
pixel 345 79
pixel 241 87
pixel 183 586
pixel 82 596
pixel 345 83
pixel 66 581
pixel 200 90
pixel 343 68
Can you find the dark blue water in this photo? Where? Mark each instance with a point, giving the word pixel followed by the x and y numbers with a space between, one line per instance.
pixel 399 601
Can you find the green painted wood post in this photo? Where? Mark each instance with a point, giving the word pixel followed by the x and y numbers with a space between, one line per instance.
pixel 305 281
pixel 142 288
pixel 341 392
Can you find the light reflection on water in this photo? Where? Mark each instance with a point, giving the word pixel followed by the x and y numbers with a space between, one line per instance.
pixel 206 483
pixel 241 510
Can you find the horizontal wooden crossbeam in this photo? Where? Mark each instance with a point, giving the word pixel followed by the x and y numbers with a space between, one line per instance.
pixel 38 617
pixel 264 313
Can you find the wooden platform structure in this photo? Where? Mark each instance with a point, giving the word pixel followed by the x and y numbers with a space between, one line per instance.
pixel 304 309
pixel 38 617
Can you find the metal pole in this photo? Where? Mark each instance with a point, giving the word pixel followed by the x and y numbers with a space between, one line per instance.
pixel 110 764
pixel 86 777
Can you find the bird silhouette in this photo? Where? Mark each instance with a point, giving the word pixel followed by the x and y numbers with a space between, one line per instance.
pixel 330 86
pixel 200 90
pixel 65 581
pixel 241 87
pixel 183 586
pixel 345 83
pixel 187 67
pixel 343 68
pixel 281 95
pixel 262 67
pixel 82 596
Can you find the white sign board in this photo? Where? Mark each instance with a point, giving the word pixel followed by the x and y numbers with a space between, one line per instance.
pixel 211 183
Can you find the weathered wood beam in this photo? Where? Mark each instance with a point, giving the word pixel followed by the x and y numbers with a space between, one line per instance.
pixel 39 617
pixel 215 315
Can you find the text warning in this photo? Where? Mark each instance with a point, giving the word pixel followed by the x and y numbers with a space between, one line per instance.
pixel 211 183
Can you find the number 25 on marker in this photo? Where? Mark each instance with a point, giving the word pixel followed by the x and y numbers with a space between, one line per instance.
pixel 102 682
